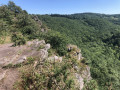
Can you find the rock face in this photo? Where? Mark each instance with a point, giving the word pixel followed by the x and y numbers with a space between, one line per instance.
pixel 83 73
pixel 15 55
pixel 36 43
pixel 55 59
pixel 74 52
pixel 31 49
pixel 42 53
pixel 80 81
pixel 21 60
pixel 86 73
pixel 47 46
pixel 40 49
pixel 2 74
pixel 37 19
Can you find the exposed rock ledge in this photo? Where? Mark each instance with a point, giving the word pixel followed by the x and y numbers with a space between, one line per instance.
pixel 83 73
pixel 36 48
pixel 16 55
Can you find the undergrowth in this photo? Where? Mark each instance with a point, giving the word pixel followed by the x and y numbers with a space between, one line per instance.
pixel 48 76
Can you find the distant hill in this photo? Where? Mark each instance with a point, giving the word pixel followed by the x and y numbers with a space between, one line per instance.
pixel 115 18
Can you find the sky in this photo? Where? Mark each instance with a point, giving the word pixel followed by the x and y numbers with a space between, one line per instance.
pixel 67 6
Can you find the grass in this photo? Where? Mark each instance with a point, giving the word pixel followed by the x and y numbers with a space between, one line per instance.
pixel 5 39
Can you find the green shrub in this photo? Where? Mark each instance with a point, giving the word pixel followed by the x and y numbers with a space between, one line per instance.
pixel 18 39
pixel 91 85
pixel 57 41
pixel 30 60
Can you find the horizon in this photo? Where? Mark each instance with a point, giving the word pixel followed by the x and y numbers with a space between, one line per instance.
pixel 79 13
pixel 109 7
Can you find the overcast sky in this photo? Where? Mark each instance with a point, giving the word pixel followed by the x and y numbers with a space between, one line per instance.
pixel 68 6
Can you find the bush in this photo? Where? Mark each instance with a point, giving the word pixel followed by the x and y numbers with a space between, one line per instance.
pixel 18 39
pixel 28 30
pixel 30 60
pixel 91 85
pixel 57 41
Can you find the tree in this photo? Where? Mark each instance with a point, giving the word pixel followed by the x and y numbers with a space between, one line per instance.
pixel 4 12
pixel 14 8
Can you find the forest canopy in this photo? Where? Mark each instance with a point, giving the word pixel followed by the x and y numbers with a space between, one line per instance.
pixel 98 37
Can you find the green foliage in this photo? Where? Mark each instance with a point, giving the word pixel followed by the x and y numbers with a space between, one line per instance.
pixel 14 19
pixel 41 47
pixel 91 85
pixel 4 12
pixel 114 40
pixel 57 41
pixel 96 35
pixel 14 8
pixel 18 39
pixel 61 74
pixel 30 60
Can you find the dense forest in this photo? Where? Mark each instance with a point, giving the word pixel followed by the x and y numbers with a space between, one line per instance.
pixel 97 35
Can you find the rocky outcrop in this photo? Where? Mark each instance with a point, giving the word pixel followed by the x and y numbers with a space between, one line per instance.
pixel 55 59
pixel 33 48
pixel 82 75
pixel 41 48
pixel 10 56
pixel 83 72
pixel 39 22
pixel 79 81
pixel 38 48
pixel 21 60
pixel 36 43
pixel 37 19
pixel 86 73
pixel 43 54
pixel 47 46
pixel 2 73
pixel 74 52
